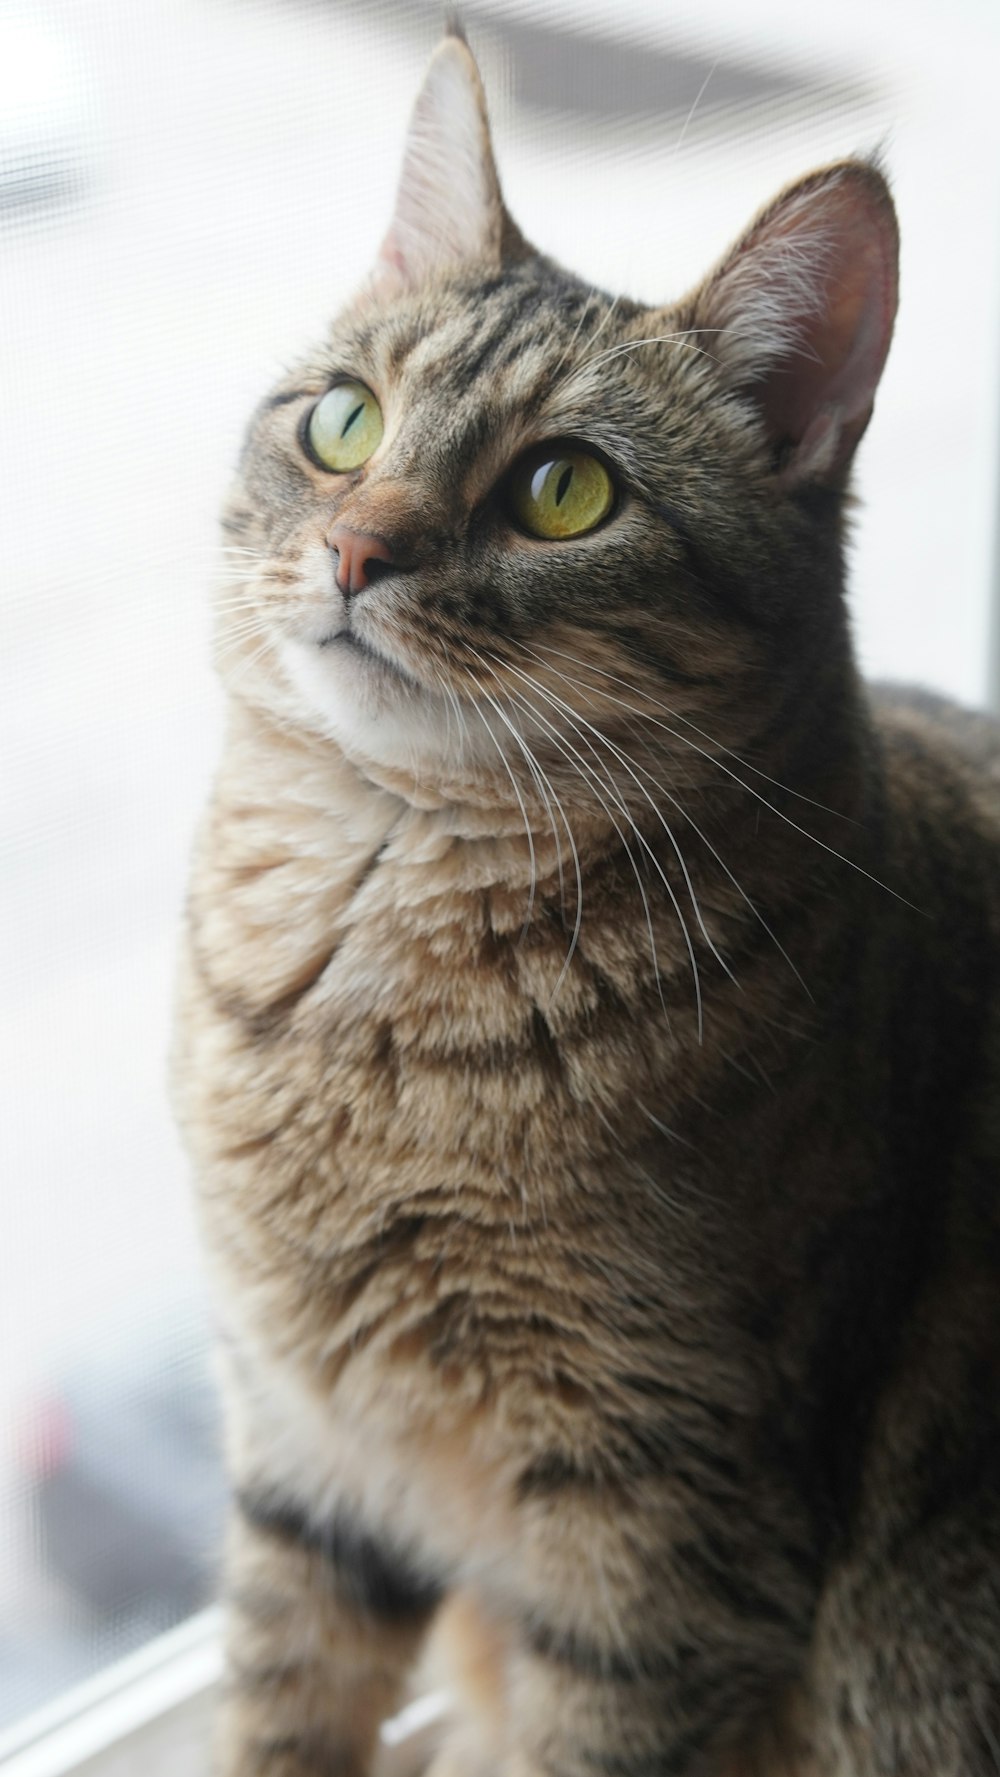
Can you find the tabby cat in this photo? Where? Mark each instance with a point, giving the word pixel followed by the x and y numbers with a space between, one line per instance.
pixel 589 1031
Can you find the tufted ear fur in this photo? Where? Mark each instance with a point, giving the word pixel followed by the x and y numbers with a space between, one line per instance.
pixel 449 209
pixel 800 313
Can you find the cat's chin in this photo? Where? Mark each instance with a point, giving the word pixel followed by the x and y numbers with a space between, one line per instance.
pixel 373 709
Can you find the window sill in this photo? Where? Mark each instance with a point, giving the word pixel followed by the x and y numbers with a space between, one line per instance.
pixel 152 1713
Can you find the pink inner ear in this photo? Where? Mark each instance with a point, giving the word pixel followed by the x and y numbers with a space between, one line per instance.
pixel 448 205
pixel 822 265
pixel 843 346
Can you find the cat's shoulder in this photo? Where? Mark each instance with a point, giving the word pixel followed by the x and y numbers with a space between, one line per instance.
pixel 942 725
pixel 942 772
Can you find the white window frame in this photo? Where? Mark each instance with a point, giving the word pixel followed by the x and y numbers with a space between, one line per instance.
pixel 150 1713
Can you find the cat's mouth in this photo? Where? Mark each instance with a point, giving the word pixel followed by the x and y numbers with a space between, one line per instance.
pixel 349 642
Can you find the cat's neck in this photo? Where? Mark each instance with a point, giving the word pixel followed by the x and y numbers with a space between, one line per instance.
pixel 803 808
pixel 303 842
pixel 266 763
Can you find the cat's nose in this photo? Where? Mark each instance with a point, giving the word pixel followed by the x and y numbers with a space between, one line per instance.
pixel 360 558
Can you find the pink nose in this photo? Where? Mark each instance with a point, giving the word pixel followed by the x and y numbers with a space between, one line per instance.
pixel 355 551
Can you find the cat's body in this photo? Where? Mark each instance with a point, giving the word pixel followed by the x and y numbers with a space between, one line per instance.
pixel 599 1157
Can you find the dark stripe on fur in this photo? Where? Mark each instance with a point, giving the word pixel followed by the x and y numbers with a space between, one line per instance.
pixel 272 1676
pixel 669 1763
pixel 282 399
pixel 634 639
pixel 481 355
pixel 553 1473
pixel 305 1752
pixel 722 1571
pixel 370 1574
pixel 565 1647
pixel 630 1458
pixel 714 581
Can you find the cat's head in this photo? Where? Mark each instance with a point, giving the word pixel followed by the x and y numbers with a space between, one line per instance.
pixel 500 516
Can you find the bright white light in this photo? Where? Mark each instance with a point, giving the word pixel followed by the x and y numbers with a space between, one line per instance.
pixel 36 72
pixel 43 103
pixel 421 1713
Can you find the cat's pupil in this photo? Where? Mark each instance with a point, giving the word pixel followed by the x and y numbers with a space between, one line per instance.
pixel 348 423
pixel 564 480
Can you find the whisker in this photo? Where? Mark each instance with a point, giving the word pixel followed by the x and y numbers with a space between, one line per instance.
pixel 647 848
pixel 565 709
pixel 624 760
pixel 680 339
pixel 612 305
pixel 682 811
pixel 253 660
pixel 463 726
pixel 664 1128
pixel 589 777
pixel 231 606
pixel 520 800
pixel 252 624
pixel 537 777
pixel 544 780
pixel 748 787
pixel 699 95
pixel 676 716
pixel 584 312
pixel 541 783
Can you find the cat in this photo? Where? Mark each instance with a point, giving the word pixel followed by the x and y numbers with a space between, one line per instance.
pixel 588 1035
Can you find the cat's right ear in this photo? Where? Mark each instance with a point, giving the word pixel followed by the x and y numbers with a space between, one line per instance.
pixel 449 209
pixel 799 315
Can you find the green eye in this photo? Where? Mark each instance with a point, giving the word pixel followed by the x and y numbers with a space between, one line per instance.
pixel 562 495
pixel 345 427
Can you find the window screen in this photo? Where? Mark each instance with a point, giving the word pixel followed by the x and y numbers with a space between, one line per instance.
pixel 187 189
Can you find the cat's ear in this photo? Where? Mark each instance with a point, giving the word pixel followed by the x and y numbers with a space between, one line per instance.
pixel 449 209
pixel 800 313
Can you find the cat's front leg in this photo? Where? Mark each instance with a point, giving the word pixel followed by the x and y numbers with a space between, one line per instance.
pixel 324 1623
pixel 571 1720
pixel 566 1721
pixel 559 1721
pixel 635 1650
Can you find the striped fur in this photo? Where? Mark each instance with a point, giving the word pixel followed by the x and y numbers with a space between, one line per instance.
pixel 588 1044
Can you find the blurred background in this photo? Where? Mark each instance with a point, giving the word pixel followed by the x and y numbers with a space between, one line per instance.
pixel 187 190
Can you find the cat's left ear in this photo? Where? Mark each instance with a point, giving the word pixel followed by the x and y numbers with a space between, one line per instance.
pixel 799 314
pixel 449 209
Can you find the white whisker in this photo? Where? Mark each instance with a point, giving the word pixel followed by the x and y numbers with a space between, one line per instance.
pixel 574 718
pixel 680 339
pixel 682 811
pixel 623 759
pixel 520 800
pixel 676 716
pixel 547 789
pixel 589 777
pixel 748 787
pixel 584 312
pixel 699 95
